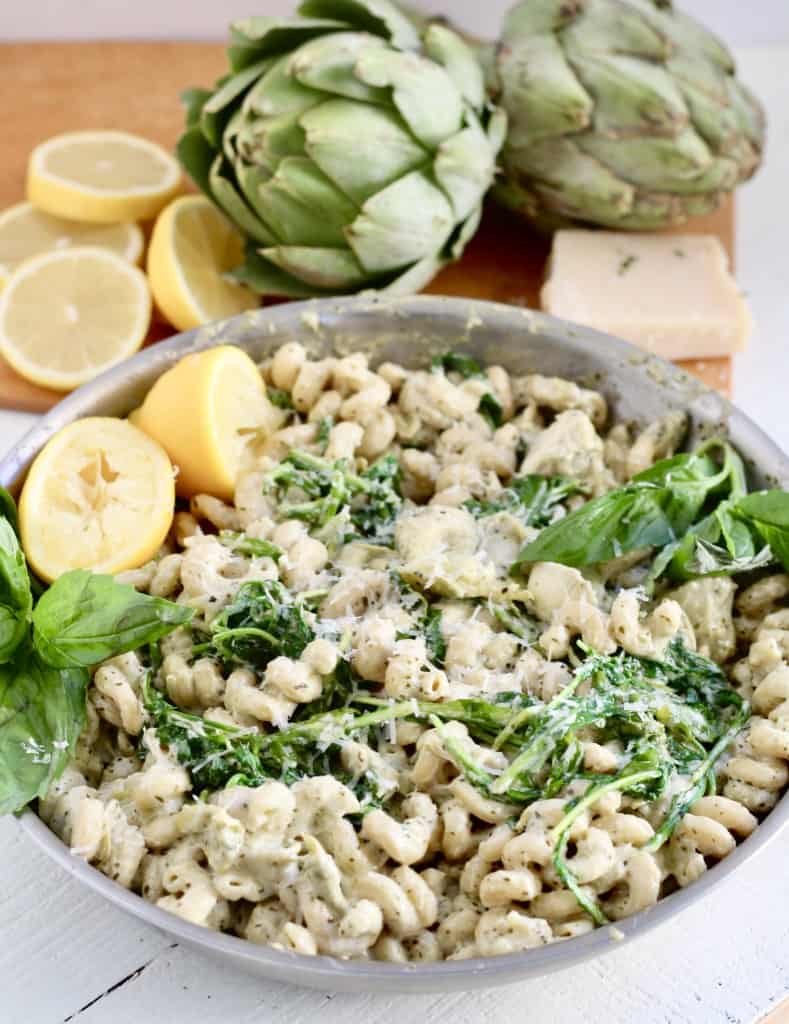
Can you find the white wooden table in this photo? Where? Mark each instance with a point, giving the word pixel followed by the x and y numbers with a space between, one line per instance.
pixel 67 955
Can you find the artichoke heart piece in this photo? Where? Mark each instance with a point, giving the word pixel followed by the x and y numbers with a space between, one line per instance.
pixel 624 113
pixel 446 551
pixel 350 152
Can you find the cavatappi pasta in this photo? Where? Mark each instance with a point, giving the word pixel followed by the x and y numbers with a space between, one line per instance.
pixel 363 575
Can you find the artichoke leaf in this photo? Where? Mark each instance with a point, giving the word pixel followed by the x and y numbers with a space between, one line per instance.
pixel 196 155
pixel 380 17
pixel 749 113
pixel 700 205
pixel 252 39
pixel 583 182
pixel 232 203
pixel 261 276
pixel 716 118
pixel 631 96
pixel 688 34
pixel 328 65
pixel 194 100
pixel 464 168
pixel 451 52
pixel 680 164
pixel 331 270
pixel 217 110
pixel 303 206
pixel 463 235
pixel 404 223
pixel 265 142
pixel 539 17
pixel 542 92
pixel 607 26
pixel 651 210
pixel 414 278
pixel 383 148
pixel 277 92
pixel 422 92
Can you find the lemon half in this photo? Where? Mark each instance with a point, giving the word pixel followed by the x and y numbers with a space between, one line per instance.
pixel 192 248
pixel 99 495
pixel 103 177
pixel 67 315
pixel 26 231
pixel 205 412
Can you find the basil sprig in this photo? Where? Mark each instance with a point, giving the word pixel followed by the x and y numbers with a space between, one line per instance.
pixel 693 509
pixel 45 653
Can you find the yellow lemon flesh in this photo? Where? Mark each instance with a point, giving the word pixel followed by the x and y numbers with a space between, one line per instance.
pixel 26 231
pixel 192 248
pixel 67 315
pixel 100 495
pixel 206 412
pixel 102 177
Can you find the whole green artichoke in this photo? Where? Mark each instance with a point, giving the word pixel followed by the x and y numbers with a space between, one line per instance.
pixel 350 152
pixel 623 113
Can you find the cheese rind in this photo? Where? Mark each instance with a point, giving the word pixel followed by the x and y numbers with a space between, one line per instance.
pixel 669 294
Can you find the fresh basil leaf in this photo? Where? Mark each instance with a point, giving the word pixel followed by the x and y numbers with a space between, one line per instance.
pixel 85 618
pixel 736 533
pixel 16 599
pixel 768 513
pixel 626 519
pixel 713 560
pixel 688 481
pixel 682 468
pixel 42 712
pixel 8 509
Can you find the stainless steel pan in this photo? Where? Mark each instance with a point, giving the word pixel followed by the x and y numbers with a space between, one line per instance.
pixel 409 331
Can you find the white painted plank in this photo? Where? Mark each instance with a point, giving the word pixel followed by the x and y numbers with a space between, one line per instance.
pixel 720 963
pixel 61 944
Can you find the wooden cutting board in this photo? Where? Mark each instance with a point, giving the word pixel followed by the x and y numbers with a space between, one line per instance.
pixel 134 86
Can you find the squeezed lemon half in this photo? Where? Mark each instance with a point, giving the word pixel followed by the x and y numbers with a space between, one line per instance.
pixel 100 495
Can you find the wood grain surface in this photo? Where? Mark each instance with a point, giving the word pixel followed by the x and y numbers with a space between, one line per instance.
pixel 134 86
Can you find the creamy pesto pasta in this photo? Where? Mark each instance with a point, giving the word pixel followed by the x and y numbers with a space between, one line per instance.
pixel 389 732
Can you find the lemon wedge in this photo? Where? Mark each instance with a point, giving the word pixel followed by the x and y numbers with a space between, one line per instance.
pixel 67 315
pixel 192 248
pixel 102 177
pixel 207 412
pixel 26 231
pixel 99 495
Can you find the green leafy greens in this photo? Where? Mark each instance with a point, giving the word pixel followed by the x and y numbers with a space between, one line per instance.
pixel 693 509
pixel 532 499
pixel 325 489
pixel 262 622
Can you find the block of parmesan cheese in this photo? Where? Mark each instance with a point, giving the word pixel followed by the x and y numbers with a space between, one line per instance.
pixel 669 294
